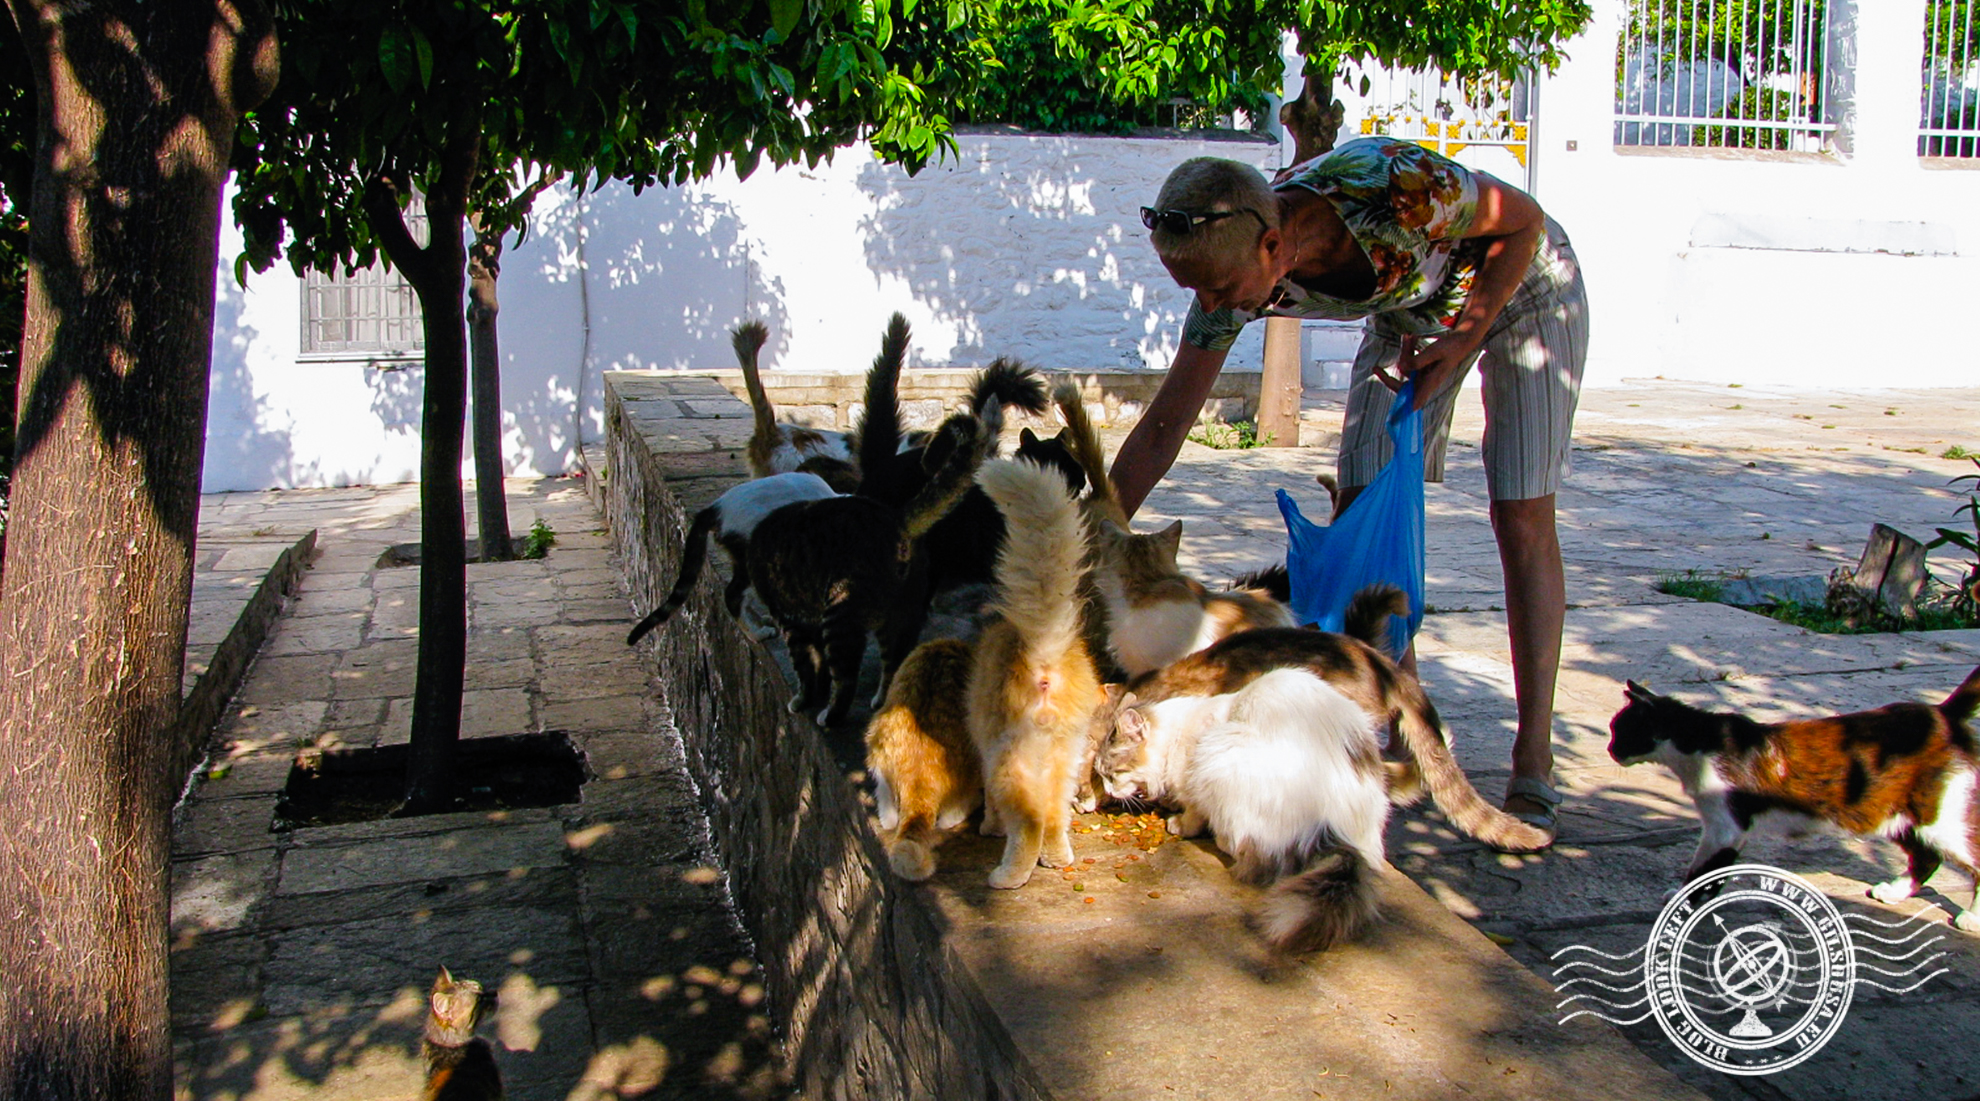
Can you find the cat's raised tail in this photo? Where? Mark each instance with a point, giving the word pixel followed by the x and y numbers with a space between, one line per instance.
pixel 1039 568
pixel 879 428
pixel 748 339
pixel 1331 901
pixel 1084 443
pixel 950 460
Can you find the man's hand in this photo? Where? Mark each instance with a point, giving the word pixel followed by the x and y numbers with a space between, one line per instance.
pixel 1432 367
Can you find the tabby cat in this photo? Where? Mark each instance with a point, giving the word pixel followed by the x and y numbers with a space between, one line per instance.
pixel 832 570
pixel 1286 773
pixel 460 1066
pixel 732 518
pixel 926 779
pixel 1033 689
pixel 1907 772
pixel 1364 674
pixel 785 448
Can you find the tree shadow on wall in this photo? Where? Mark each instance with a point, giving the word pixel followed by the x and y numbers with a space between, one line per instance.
pixel 1051 262
pixel 243 445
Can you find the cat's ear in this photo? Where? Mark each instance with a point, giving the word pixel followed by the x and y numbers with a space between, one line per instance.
pixel 1027 438
pixel 1170 538
pixel 446 979
pixel 1638 693
pixel 1130 725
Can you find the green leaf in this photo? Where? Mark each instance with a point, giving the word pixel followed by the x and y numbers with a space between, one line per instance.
pixel 395 58
pixel 423 52
pixel 784 17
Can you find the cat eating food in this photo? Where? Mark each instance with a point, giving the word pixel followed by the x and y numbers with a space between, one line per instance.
pixel 1287 775
pixel 1906 772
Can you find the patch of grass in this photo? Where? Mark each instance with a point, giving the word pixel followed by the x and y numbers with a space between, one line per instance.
pixel 1817 618
pixel 1735 405
pixel 1957 451
pixel 1232 436
pixel 538 542
pixel 1693 585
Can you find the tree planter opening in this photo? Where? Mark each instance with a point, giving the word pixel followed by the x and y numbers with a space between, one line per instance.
pixel 408 554
pixel 337 786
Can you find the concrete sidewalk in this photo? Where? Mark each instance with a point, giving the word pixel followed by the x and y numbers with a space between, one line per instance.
pixel 298 962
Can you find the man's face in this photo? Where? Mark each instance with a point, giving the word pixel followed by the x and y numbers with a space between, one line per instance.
pixel 1245 282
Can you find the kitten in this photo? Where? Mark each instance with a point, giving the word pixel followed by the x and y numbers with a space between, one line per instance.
pixel 1033 689
pixel 1362 672
pixel 460 1066
pixel 732 518
pixel 786 448
pixel 1906 771
pixel 832 570
pixel 1286 773
pixel 1155 613
pixel 926 779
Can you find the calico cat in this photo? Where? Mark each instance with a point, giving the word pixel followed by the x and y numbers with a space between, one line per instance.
pixel 1363 673
pixel 732 518
pixel 460 1066
pixel 1907 771
pixel 1155 613
pixel 786 448
pixel 926 779
pixel 1033 689
pixel 832 570
pixel 1286 773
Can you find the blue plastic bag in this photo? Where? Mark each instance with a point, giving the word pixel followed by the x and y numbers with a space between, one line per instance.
pixel 1378 540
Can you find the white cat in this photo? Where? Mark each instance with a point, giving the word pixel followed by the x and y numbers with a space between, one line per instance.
pixel 1287 773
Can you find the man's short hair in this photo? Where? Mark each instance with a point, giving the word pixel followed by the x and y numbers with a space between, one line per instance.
pixel 1208 185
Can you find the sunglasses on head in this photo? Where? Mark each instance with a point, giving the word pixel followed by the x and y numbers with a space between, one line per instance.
pixel 1180 222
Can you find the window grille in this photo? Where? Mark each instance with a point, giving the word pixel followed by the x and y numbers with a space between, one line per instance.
pixel 369 312
pixel 1449 115
pixel 1734 74
pixel 1949 111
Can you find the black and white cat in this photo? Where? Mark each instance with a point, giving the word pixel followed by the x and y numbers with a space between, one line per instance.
pixel 1287 774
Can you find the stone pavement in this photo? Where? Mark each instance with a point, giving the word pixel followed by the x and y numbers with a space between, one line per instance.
pixel 299 960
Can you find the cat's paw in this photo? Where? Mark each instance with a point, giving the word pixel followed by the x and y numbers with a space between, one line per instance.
pixel 1086 803
pixel 1897 890
pixel 1966 921
pixel 1056 854
pixel 1006 878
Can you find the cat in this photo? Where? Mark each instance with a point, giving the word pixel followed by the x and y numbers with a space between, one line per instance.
pixel 732 518
pixel 831 570
pixel 786 448
pixel 1286 773
pixel 962 547
pixel 460 1066
pixel 1907 772
pixel 1155 613
pixel 926 780
pixel 1357 668
pixel 1033 688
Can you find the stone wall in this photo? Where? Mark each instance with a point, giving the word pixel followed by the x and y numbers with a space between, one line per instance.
pixel 870 1001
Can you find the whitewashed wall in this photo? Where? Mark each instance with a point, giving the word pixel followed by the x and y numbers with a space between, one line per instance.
pixel 1750 267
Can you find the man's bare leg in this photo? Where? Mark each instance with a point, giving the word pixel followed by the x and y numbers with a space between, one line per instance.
pixel 1536 610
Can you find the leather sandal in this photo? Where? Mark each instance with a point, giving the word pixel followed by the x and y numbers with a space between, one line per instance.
pixel 1541 792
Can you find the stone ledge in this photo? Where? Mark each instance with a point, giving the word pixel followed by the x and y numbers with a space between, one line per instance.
pixel 1131 975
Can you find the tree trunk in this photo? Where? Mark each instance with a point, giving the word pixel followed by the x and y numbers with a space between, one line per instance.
pixel 491 503
pixel 438 276
pixel 137 105
pixel 1314 118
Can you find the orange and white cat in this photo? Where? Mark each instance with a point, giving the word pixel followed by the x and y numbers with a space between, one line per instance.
pixel 926 779
pixel 1155 613
pixel 1033 688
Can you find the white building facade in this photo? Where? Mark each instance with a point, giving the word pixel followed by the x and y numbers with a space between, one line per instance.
pixel 1848 262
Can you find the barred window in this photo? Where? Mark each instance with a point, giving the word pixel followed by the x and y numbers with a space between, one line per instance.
pixel 1730 74
pixel 369 312
pixel 1484 122
pixel 1949 108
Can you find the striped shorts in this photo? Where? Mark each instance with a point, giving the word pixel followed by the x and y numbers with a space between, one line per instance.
pixel 1533 357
